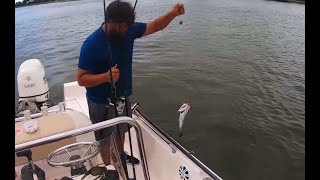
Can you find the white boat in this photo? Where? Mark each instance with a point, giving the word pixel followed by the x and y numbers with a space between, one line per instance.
pixel 63 131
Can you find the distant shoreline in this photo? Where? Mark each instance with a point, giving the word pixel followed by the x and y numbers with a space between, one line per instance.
pixel 291 1
pixel 55 1
pixel 34 4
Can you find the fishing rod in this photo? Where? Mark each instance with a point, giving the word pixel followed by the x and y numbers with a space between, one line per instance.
pixel 114 93
pixel 134 7
pixel 127 113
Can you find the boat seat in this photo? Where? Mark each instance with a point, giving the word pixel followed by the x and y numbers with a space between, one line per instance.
pixel 50 125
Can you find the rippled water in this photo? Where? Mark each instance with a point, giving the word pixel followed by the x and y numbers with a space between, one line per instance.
pixel 240 64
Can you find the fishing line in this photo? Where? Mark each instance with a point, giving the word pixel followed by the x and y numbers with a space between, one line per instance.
pixel 174 31
pixel 179 10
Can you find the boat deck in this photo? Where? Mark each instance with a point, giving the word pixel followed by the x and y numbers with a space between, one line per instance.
pixel 166 159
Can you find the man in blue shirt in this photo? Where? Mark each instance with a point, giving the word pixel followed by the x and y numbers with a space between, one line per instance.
pixel 111 45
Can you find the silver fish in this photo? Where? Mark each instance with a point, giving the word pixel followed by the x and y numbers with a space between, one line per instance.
pixel 183 112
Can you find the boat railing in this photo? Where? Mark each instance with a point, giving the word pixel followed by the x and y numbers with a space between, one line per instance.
pixel 91 128
pixel 61 108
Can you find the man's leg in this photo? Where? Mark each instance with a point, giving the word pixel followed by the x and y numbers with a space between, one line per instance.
pixel 123 129
pixel 128 112
pixel 120 136
pixel 98 113
pixel 105 152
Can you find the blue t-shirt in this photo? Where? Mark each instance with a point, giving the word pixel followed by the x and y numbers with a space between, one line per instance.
pixel 95 55
pixel 124 84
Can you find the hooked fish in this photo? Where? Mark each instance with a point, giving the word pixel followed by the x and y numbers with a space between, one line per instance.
pixel 183 112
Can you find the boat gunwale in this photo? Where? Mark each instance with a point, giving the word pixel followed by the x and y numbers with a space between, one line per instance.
pixel 176 144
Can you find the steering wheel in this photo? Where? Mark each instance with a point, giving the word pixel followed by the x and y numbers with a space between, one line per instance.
pixel 92 150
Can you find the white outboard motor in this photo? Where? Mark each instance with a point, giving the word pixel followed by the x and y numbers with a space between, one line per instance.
pixel 32 83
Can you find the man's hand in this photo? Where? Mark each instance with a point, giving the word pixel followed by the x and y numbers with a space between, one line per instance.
pixel 163 21
pixel 115 74
pixel 178 9
pixel 85 78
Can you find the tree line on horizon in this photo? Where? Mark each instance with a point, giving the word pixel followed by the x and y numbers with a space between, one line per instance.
pixel 30 2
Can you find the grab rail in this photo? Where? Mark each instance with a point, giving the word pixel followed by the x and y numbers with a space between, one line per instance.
pixel 94 127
